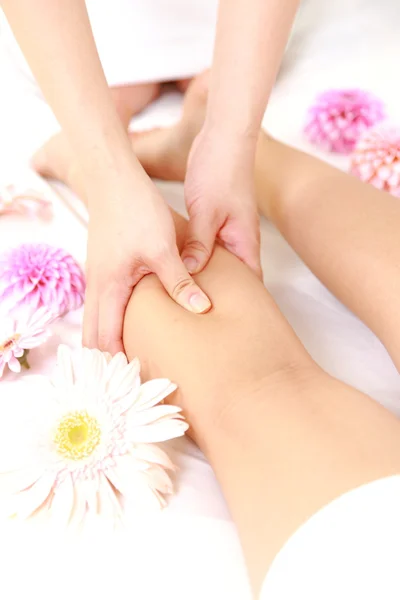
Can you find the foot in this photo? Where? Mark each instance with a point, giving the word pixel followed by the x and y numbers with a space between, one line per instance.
pixel 53 159
pixel 163 153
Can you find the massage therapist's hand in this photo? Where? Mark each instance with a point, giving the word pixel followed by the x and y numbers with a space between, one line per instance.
pixel 131 234
pixel 220 199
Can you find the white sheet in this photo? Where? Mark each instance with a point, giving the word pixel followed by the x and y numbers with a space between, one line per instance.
pixel 353 42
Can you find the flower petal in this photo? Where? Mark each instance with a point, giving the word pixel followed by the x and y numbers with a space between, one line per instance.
pixel 153 391
pixel 150 415
pixel 63 502
pixel 122 379
pixel 160 431
pixel 30 500
pixel 79 507
pixel 14 482
pixel 92 374
pixel 109 506
pixel 14 364
pixel 134 486
pixel 65 377
pixel 90 488
pixel 160 480
pixel 152 454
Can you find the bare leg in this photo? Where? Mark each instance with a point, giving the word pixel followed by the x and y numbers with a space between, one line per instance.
pixel 283 437
pixel 344 230
pixel 272 424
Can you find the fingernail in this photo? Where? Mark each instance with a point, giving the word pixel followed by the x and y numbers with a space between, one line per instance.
pixel 199 302
pixel 191 264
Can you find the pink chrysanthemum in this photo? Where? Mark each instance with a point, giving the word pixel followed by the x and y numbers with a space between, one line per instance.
pixel 41 275
pixel 376 159
pixel 339 117
pixel 24 201
pixel 21 333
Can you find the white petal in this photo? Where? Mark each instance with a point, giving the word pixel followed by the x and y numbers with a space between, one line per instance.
pixel 65 377
pixel 94 366
pixel 62 503
pixel 122 379
pixel 17 481
pixel 14 364
pixel 79 507
pixel 109 506
pixel 134 486
pixel 90 488
pixel 153 391
pixel 143 417
pixel 160 431
pixel 160 480
pixel 29 501
pixel 152 454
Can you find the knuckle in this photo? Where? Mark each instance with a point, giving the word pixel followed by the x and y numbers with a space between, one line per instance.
pixel 103 340
pixel 180 286
pixel 197 246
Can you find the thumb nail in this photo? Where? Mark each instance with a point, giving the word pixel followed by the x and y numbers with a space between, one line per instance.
pixel 191 264
pixel 199 302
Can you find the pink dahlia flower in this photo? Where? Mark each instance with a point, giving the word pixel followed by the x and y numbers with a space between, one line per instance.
pixel 376 159
pixel 21 333
pixel 339 117
pixel 41 275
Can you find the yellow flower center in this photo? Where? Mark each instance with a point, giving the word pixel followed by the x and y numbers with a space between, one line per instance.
pixel 78 435
pixel 9 343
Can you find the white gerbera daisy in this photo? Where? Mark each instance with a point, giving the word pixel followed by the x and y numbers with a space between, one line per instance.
pixel 93 442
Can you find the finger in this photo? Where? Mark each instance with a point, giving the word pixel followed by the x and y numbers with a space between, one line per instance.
pixel 179 284
pixel 112 306
pixel 246 246
pixel 199 243
pixel 90 318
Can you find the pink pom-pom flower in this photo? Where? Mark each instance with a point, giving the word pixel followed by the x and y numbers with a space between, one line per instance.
pixel 376 159
pixel 40 275
pixel 338 118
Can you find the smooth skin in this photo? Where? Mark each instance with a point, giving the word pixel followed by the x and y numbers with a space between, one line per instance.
pixel 125 207
pixel 283 437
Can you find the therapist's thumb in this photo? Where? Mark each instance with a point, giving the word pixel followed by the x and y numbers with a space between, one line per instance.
pixel 180 285
pixel 199 243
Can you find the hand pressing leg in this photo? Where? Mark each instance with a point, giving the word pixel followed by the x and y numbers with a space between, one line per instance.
pixel 344 230
pixel 283 437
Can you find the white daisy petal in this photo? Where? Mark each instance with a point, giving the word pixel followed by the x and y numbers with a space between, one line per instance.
pixel 160 480
pixel 135 487
pixel 161 431
pixel 30 500
pixel 17 481
pixel 90 488
pixel 94 366
pixel 143 417
pixel 79 506
pixel 63 502
pixel 152 454
pixel 14 364
pixel 89 431
pixel 152 392
pixel 109 506
pixel 65 377
pixel 125 380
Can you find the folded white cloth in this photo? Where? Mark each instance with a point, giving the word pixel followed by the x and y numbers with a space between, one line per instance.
pixel 348 550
